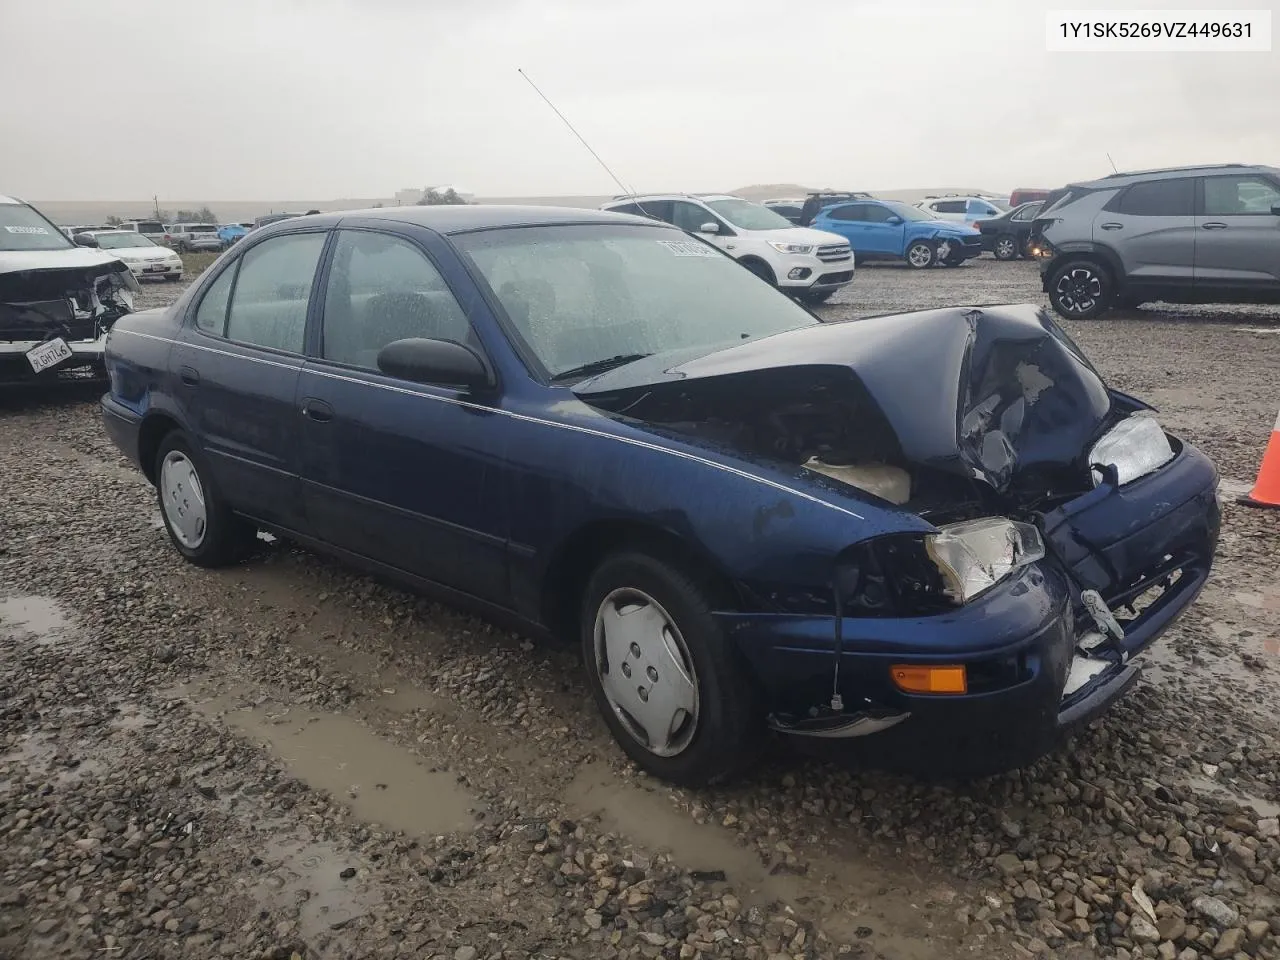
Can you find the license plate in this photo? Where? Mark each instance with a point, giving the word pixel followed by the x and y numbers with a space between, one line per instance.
pixel 48 355
pixel 156 268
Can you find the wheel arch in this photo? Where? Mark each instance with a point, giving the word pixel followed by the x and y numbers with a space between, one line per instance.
pixel 1099 253
pixel 566 576
pixel 154 428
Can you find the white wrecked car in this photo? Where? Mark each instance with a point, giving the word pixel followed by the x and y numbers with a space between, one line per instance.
pixel 57 300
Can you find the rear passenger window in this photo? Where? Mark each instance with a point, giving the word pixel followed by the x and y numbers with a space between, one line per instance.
pixel 1158 198
pixel 382 289
pixel 211 315
pixel 950 206
pixel 851 211
pixel 269 303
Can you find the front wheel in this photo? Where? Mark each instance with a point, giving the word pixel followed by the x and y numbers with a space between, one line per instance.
pixel 1080 290
pixel 668 682
pixel 199 522
pixel 761 270
pixel 1006 248
pixel 920 255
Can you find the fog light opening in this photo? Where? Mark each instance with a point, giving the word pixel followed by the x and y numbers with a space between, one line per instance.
pixel 798 273
pixel 930 679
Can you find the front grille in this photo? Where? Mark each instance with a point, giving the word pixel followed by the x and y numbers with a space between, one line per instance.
pixel 835 277
pixel 834 252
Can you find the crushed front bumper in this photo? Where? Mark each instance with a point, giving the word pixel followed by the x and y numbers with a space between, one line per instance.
pixel 1017 642
pixel 85 363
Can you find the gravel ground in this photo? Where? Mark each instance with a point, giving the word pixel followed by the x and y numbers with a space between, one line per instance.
pixel 288 759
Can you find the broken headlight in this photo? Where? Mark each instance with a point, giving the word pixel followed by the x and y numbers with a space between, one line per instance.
pixel 1135 447
pixel 975 555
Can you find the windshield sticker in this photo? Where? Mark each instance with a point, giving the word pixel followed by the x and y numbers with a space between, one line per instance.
pixel 688 248
pixel 40 231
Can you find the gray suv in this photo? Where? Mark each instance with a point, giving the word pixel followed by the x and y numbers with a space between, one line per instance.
pixel 1186 235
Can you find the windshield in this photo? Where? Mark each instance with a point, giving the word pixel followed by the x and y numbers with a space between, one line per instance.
pixel 114 241
pixel 747 215
pixel 22 228
pixel 908 212
pixel 580 295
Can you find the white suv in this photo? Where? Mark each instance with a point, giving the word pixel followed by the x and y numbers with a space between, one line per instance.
pixel 810 264
pixel 963 209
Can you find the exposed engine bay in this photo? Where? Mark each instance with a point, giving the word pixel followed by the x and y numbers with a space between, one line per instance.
pixel 77 303
pixel 946 412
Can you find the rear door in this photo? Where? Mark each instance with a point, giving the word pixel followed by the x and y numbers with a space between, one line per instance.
pixel 849 220
pixel 1151 226
pixel 1238 234
pixel 237 364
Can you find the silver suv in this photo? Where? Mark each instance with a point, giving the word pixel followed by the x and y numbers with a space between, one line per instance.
pixel 1206 234
pixel 188 237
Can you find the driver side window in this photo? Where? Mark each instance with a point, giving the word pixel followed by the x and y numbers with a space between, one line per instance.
pixel 690 216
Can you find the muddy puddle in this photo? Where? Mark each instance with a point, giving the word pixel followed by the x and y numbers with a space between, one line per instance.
pixel 1212 788
pixel 377 780
pixel 866 899
pixel 302 879
pixel 32 616
pixel 41 754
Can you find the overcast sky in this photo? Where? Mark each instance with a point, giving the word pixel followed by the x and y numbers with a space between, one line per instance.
pixel 266 99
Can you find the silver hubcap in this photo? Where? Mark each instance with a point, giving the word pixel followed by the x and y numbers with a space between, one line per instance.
pixel 1004 247
pixel 920 255
pixel 646 672
pixel 1079 290
pixel 183 498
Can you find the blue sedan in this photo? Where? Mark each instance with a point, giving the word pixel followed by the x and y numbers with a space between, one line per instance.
pixel 935 529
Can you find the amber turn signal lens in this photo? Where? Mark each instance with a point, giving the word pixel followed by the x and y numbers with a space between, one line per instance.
pixel 919 679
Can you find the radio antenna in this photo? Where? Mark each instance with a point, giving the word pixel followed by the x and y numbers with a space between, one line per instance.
pixel 1113 164
pixel 625 189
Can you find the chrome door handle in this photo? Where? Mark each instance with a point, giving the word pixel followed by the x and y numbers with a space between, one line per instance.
pixel 1113 226
pixel 1215 225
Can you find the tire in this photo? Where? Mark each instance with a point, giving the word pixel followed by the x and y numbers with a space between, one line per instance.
pixel 761 270
pixel 920 255
pixel 184 490
pixel 1006 247
pixel 173 276
pixel 814 298
pixel 718 737
pixel 1080 290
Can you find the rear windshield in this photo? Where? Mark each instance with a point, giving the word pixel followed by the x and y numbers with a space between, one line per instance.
pixel 202 228
pixel 22 228
pixel 148 226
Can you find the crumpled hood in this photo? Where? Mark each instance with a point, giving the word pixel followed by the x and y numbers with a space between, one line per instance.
pixel 954 227
pixel 997 394
pixel 14 261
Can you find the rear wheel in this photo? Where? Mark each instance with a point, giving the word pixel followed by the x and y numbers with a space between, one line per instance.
pixel 920 255
pixel 200 524
pixel 668 682
pixel 1006 247
pixel 1080 290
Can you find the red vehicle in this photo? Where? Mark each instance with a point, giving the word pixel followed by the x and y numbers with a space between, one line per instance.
pixel 1026 195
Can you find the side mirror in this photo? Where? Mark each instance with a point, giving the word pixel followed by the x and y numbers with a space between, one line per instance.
pixel 1275 209
pixel 440 362
pixel 84 240
pixel 895 220
pixel 709 228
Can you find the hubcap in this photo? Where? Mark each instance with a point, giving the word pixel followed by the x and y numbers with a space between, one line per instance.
pixel 1079 290
pixel 920 256
pixel 1005 247
pixel 183 499
pixel 646 672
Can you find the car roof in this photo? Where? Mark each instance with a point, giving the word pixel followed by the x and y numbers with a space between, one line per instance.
pixel 641 197
pixel 11 200
pixel 128 233
pixel 1124 178
pixel 459 218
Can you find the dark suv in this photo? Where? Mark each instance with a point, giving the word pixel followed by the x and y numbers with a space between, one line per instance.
pixel 1186 235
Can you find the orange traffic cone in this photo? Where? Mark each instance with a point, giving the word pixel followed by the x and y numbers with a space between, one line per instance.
pixel 1266 492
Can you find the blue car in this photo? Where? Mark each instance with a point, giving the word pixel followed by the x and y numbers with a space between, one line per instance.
pixel 590 424
pixel 889 230
pixel 229 233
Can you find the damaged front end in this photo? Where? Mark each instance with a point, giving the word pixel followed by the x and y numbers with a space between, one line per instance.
pixel 1059 508
pixel 55 310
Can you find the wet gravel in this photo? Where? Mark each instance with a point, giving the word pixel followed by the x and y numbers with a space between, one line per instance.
pixel 287 758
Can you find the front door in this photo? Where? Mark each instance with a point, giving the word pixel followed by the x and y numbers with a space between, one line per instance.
pixel 1238 233
pixel 883 236
pixel 691 217
pixel 237 366
pixel 395 471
